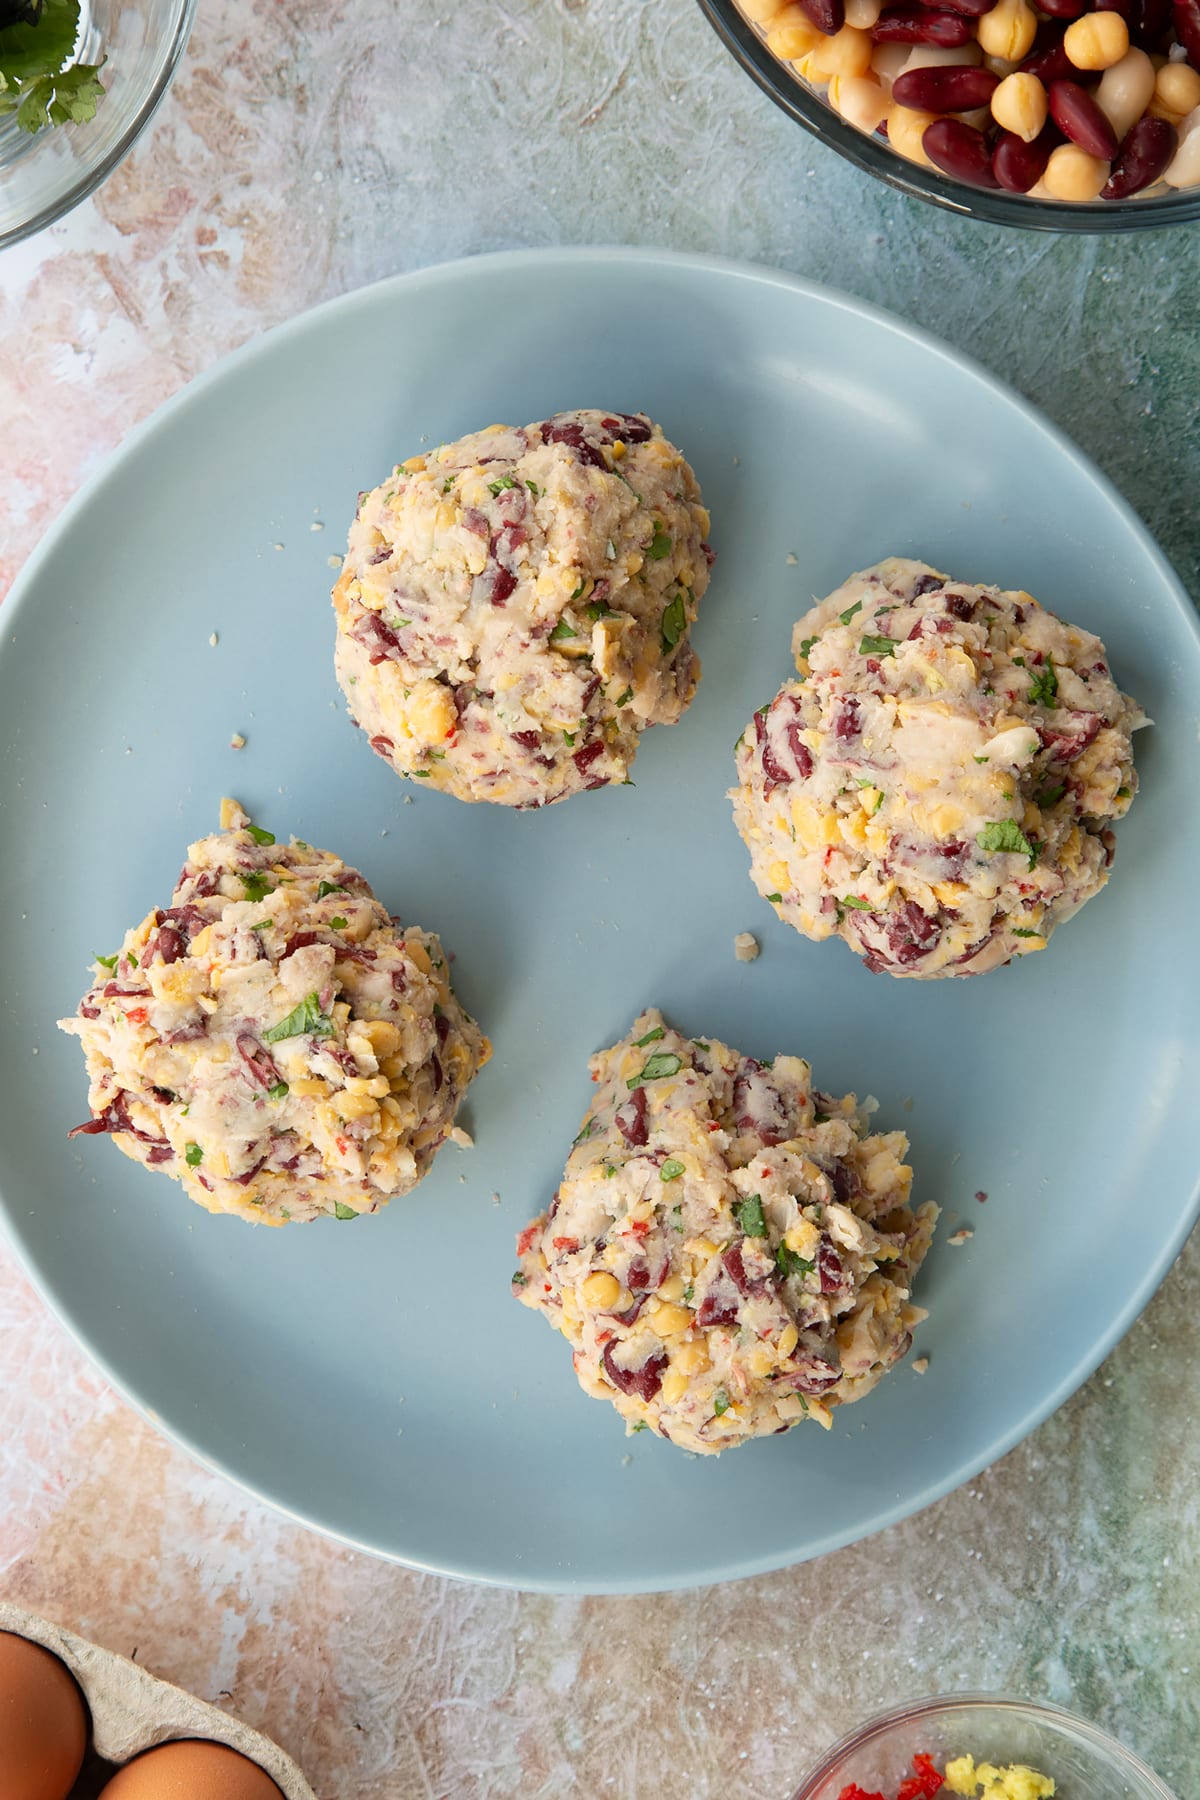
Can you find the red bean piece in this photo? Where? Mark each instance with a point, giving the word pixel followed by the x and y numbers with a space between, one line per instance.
pixel 1145 151
pixel 827 15
pixel 1126 8
pixel 960 151
pixel 922 25
pixel 1080 119
pixel 1187 28
pixel 1150 24
pixel 1065 9
pixel 971 9
pixel 1018 166
pixel 945 90
pixel 1048 60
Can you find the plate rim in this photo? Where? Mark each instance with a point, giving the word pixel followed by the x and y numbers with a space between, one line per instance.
pixel 478 268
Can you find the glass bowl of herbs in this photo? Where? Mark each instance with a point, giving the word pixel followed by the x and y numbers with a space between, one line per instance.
pixel 79 80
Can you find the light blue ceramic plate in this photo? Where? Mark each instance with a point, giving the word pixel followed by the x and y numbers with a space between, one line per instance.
pixel 380 1383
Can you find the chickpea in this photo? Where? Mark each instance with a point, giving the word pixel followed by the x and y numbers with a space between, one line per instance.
pixel 1008 30
pixel 1071 174
pixel 1097 40
pixel 1019 104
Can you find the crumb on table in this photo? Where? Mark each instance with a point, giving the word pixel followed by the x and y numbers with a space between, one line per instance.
pixel 960 1236
pixel 745 946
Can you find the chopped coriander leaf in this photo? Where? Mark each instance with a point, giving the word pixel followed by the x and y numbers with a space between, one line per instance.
pixel 421 774
pixel 1123 793
pixel 1006 835
pixel 596 609
pixel 498 487
pixel 1049 795
pixel 790 1262
pixel 449 483
pixel 305 1020
pixel 720 1402
pixel 858 905
pixel 343 1212
pixel 570 737
pixel 1019 931
pixel 259 835
pixel 562 630
pixel 689 1293
pixel 807 644
pixel 982 759
pixel 775 899
pixel 749 1215
pixel 579 589
pixel 278 1092
pixel 610 1170
pixel 659 545
pixel 337 923
pixel 585 1130
pixel 878 646
pixel 626 697
pixel 36 44
pixel 256 885
pixel 864 781
pixel 1019 661
pixel 672 1169
pixel 519 1280
pixel 262 924
pixel 193 1156
pixel 701 1045
pixel 989 690
pixel 106 962
pixel 639 1425
pixel 1043 689
pixel 878 803
pixel 533 487
pixel 674 622
pixel 650 1037
pixel 819 1117
pixel 677 1218
pixel 656 1068
pixel 850 612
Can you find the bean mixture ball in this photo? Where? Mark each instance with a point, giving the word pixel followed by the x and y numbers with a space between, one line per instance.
pixel 937 788
pixel 729 1252
pixel 1057 101
pixel 515 609
pixel 273 1040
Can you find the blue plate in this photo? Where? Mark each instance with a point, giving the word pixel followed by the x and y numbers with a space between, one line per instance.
pixel 380 1384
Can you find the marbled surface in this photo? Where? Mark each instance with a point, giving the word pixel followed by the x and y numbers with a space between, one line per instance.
pixel 303 151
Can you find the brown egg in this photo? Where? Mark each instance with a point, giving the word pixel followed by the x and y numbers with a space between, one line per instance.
pixel 43 1722
pixel 191 1770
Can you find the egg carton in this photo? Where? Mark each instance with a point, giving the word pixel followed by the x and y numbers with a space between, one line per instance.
pixel 133 1710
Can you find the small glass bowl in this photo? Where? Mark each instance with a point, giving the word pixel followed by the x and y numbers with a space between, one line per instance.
pixel 1084 1762
pixel 43 176
pixel 806 106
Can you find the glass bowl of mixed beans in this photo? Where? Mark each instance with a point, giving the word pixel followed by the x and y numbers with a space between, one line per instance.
pixel 1056 115
pixel 976 1745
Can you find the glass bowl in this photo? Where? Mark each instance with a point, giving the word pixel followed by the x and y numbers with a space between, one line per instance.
pixel 806 106
pixel 44 176
pixel 1085 1763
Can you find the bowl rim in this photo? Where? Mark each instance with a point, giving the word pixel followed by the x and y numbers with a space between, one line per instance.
pixel 880 1723
pixel 92 177
pixel 871 154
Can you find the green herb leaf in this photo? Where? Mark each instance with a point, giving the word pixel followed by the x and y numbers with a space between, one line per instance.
pixel 651 1037
pixel 720 1402
pixel 34 80
pixel 255 886
pixel 596 609
pixel 626 697
pixel 775 899
pixel 878 646
pixel 656 1068
pixel 850 612
pixel 672 1169
pixel 1006 835
pixel 610 1170
pixel 807 644
pixel 659 545
pixel 570 737
pixel 337 923
pixel 259 835
pixel 562 630
pixel 498 487
pixel 449 483
pixel 534 489
pixel 689 1293
pixel 343 1212
pixel 262 924
pixel 1049 795
pixel 639 1425
pixel 858 905
pixel 305 1020
pixel 1019 931
pixel 749 1215
pixel 1019 661
pixel 674 622
pixel 585 1130
pixel 420 774
pixel 106 962
pixel 278 1092
pixel 580 588
pixel 519 1280
pixel 193 1156
pixel 789 1262
pixel 1124 793
pixel 1043 689
pixel 701 1045
pixel 130 958
pixel 982 759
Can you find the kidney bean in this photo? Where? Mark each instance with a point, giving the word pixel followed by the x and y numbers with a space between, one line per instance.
pixel 827 15
pixel 959 150
pixel 1018 166
pixel 1080 119
pixel 1145 152
pixel 971 9
pixel 1150 23
pixel 945 90
pixel 922 25
pixel 1187 28
pixel 1126 8
pixel 1048 59
pixel 1065 9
